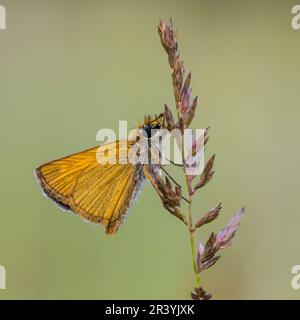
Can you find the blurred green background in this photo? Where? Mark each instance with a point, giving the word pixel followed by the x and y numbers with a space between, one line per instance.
pixel 69 68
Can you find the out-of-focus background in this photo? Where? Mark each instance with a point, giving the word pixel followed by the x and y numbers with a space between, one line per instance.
pixel 69 68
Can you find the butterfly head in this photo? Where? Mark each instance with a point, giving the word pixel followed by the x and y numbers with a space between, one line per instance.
pixel 156 123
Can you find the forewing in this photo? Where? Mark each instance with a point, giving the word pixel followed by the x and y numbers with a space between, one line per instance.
pixel 100 193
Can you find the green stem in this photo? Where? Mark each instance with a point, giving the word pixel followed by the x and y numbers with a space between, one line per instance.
pixel 194 260
pixel 190 217
pixel 193 244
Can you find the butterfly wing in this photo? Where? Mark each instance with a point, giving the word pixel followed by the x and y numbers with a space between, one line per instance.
pixel 100 193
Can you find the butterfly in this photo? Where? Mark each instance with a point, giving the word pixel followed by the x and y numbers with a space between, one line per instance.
pixel 99 193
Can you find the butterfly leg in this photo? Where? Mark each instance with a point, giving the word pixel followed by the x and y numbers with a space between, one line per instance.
pixel 177 184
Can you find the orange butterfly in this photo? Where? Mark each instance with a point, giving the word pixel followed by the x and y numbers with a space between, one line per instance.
pixel 100 193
